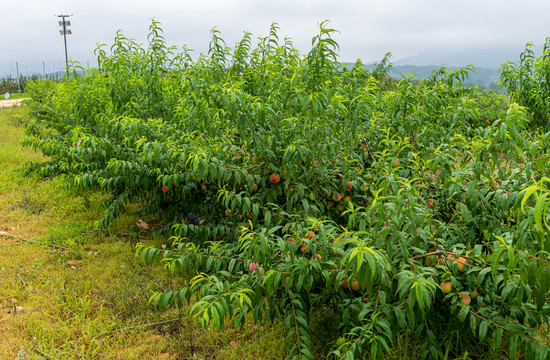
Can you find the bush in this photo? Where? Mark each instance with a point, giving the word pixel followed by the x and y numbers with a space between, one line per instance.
pixel 528 82
pixel 289 186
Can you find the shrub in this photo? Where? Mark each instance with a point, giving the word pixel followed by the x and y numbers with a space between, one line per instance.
pixel 436 173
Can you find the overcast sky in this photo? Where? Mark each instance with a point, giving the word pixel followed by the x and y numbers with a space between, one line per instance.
pixel 368 29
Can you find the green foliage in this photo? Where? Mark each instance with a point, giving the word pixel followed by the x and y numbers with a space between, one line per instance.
pixel 528 82
pixel 379 192
pixel 13 85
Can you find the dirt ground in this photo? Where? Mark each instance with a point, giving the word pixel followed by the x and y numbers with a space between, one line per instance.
pixel 10 103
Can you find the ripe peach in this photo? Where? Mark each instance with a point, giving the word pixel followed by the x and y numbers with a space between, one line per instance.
pixel 345 284
pixel 460 263
pixel 165 188
pixel 227 212
pixel 310 235
pixel 396 162
pixel 254 187
pixel 466 299
pixel 253 266
pixel 349 186
pixel 275 178
pixel 446 286
pixel 355 285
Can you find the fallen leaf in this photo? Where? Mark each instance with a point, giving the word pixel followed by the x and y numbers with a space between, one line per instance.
pixel 164 356
pixel 74 262
pixel 142 224
pixel 233 343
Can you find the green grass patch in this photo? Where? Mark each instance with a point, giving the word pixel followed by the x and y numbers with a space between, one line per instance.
pixel 17 96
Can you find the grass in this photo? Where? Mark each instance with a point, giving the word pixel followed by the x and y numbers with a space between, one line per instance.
pixel 16 96
pixel 69 291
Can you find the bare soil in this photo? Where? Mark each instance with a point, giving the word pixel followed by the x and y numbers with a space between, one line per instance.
pixel 10 103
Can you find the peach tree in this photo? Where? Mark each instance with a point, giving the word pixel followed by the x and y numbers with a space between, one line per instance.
pixel 291 188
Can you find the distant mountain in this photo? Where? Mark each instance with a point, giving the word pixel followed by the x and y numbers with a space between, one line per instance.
pixel 484 78
pixel 486 61
pixel 490 58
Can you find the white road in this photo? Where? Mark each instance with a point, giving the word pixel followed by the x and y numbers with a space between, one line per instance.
pixel 10 103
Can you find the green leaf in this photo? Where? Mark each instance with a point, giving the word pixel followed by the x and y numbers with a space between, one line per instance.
pixel 400 315
pixel 541 201
pixel 463 312
pixel 483 326
pixel 473 324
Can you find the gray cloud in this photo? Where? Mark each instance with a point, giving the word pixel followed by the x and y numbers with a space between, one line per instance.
pixel 368 29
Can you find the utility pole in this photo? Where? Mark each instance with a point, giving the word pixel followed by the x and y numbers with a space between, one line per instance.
pixel 64 23
pixel 44 68
pixel 18 83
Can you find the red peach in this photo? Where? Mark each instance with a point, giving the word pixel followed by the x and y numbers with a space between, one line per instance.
pixel 275 178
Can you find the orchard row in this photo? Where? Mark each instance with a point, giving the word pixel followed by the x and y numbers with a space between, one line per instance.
pixel 293 185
